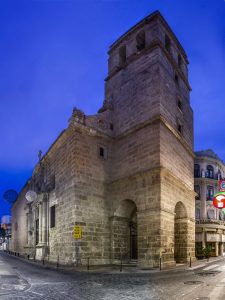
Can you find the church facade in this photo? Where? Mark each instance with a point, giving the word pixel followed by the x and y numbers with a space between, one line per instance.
pixel 123 177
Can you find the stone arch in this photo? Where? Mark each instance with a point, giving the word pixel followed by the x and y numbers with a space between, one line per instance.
pixel 180 233
pixel 124 231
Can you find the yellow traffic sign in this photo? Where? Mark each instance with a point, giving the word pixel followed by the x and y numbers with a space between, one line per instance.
pixel 77 232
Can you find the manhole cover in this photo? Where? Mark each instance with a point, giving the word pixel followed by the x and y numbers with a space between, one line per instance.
pixel 209 273
pixel 193 282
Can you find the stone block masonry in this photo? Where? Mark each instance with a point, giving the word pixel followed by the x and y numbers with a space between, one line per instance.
pixel 124 175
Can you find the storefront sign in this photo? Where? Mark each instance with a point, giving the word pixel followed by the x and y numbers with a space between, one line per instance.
pixel 212 237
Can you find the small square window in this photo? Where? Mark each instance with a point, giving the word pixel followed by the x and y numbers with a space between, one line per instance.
pixel 101 151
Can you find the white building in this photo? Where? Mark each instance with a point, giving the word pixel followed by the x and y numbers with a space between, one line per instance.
pixel 210 221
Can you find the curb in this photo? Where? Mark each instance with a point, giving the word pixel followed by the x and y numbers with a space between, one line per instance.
pixel 114 269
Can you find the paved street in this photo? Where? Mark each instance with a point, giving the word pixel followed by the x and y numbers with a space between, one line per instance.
pixel 20 279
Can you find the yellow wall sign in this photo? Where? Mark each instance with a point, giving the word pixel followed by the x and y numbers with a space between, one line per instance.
pixel 77 232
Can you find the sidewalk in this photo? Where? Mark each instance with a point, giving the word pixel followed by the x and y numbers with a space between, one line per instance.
pixel 117 268
pixel 204 262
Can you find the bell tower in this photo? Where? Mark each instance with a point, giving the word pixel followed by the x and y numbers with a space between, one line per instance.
pixel 152 161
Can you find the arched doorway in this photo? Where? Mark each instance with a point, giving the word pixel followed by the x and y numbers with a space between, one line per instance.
pixel 124 232
pixel 180 233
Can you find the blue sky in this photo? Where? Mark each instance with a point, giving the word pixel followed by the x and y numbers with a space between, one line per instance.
pixel 53 56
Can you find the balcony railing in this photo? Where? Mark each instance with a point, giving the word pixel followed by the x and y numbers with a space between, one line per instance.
pixel 215 176
pixel 210 221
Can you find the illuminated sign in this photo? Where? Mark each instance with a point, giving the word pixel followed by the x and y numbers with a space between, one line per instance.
pixel 219 200
pixel 222 185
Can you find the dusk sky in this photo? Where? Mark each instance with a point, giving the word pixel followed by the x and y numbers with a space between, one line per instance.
pixel 53 56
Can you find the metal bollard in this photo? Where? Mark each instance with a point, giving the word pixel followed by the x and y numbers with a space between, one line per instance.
pixel 28 256
pixel 160 263
pixel 43 261
pixel 121 265
pixel 57 262
pixel 88 265
pixel 190 261
pixel 34 258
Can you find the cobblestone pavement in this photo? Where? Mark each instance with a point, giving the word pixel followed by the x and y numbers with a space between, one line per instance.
pixel 20 279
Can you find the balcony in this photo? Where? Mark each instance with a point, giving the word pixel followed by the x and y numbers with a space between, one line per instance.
pixel 210 221
pixel 208 175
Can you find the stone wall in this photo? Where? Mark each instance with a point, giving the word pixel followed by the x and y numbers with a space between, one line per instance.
pixel 19 223
pixel 124 173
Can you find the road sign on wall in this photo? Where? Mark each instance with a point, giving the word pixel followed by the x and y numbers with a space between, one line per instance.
pixel 77 232
pixel 222 185
pixel 219 200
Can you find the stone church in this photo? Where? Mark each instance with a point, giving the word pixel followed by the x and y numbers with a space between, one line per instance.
pixel 123 177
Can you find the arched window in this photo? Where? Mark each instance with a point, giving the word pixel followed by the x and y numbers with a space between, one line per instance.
pixel 140 39
pixel 196 171
pixel 197 191
pixel 210 192
pixel 123 55
pixel 209 172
